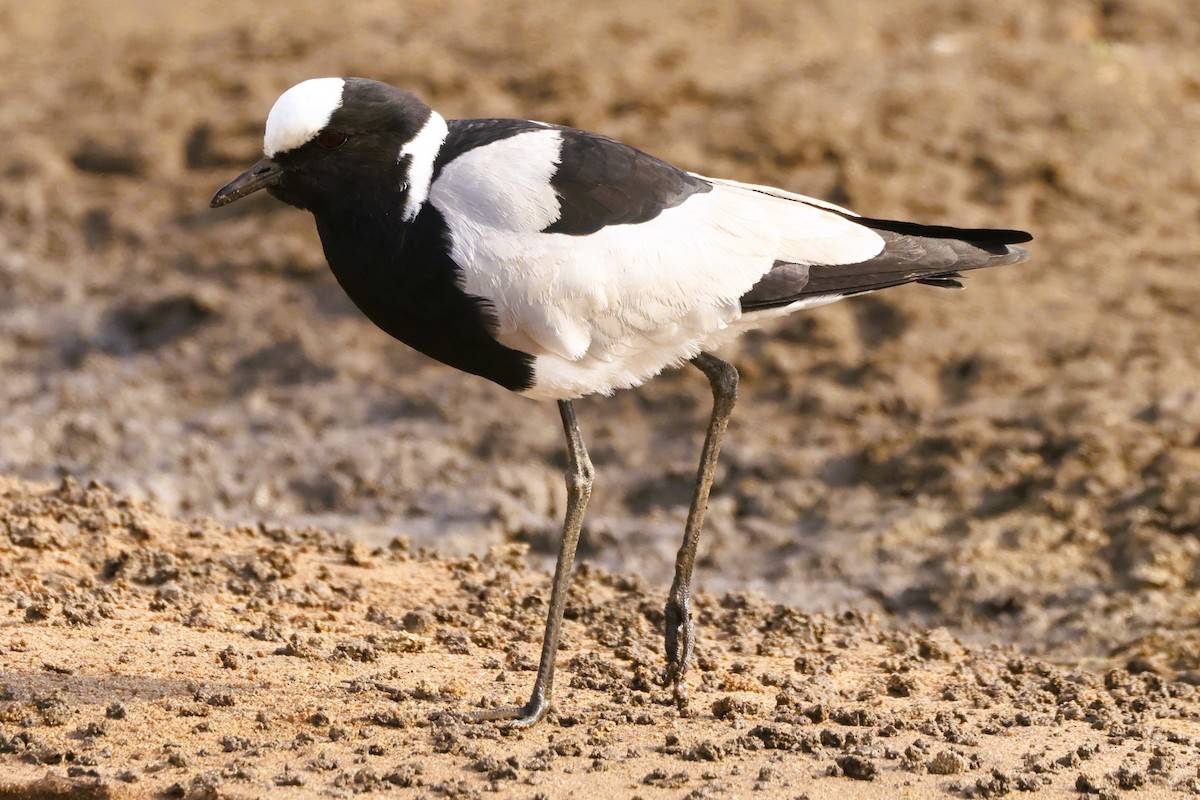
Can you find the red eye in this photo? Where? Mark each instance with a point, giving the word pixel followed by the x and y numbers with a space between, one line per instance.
pixel 331 140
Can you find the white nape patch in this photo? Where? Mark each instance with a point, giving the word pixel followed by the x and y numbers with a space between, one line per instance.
pixel 422 151
pixel 300 113
pixel 505 185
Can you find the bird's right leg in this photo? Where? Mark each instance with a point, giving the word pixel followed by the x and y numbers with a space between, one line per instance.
pixel 579 489
pixel 680 628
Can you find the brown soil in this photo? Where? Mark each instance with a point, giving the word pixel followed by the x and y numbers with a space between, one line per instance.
pixel 144 655
pixel 1016 466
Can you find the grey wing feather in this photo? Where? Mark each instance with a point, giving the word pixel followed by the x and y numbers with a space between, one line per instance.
pixel 906 258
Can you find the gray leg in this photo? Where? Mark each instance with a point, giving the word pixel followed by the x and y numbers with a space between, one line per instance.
pixel 579 489
pixel 680 633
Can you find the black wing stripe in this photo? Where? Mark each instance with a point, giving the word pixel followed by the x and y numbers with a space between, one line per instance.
pixel 978 236
pixel 599 181
pixel 602 182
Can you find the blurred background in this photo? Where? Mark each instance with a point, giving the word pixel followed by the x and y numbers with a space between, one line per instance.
pixel 1019 462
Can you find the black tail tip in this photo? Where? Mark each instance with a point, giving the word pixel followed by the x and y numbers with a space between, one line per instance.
pixel 976 236
pixel 1014 237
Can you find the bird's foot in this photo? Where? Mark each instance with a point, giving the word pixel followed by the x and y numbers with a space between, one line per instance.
pixel 680 645
pixel 524 716
pixel 517 716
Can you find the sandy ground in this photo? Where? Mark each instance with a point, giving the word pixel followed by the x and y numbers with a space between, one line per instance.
pixel 1017 465
pixel 148 656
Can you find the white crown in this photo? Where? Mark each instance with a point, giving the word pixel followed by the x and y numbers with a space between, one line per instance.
pixel 300 113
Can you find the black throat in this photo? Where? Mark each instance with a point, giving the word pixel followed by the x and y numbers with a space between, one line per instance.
pixel 400 274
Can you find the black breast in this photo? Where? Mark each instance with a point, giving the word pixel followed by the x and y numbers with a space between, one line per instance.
pixel 402 277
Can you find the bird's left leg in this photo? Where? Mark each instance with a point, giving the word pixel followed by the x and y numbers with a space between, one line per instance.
pixel 579 489
pixel 680 629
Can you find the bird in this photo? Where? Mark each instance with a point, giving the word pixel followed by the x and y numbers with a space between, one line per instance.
pixel 559 263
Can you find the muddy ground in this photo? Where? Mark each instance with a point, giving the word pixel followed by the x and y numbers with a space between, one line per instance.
pixel 1017 464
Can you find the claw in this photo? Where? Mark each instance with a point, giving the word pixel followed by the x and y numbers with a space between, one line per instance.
pixel 517 716
pixel 679 646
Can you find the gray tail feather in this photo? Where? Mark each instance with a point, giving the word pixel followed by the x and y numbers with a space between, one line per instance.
pixel 932 255
pixel 913 259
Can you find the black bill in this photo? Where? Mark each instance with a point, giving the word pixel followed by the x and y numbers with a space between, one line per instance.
pixel 264 173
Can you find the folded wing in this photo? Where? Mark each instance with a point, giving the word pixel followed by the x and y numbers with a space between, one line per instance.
pixel 588 249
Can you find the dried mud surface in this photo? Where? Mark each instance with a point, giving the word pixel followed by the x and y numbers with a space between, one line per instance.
pixel 148 656
pixel 1017 465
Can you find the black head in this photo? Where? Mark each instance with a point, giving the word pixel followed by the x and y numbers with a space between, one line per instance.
pixel 332 140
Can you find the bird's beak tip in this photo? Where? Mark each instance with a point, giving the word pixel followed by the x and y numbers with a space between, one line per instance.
pixel 263 174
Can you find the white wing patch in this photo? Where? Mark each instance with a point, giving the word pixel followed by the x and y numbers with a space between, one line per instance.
pixel 611 309
pixel 776 192
pixel 502 186
pixel 300 113
pixel 820 238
